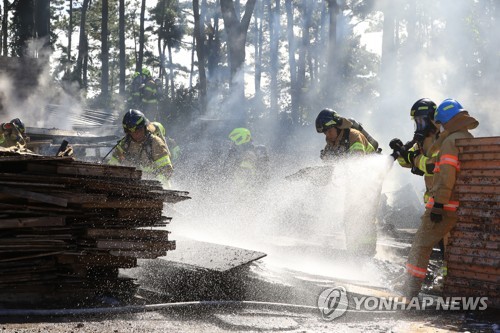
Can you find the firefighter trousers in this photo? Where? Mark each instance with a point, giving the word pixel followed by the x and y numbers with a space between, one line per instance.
pixel 428 235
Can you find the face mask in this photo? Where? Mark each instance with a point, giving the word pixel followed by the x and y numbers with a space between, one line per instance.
pixel 441 128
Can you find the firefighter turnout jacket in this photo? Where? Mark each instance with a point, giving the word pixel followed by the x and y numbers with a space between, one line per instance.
pixel 349 141
pixel 151 155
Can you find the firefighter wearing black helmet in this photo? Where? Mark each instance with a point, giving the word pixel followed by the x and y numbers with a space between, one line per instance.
pixel 142 148
pixel 416 153
pixel 341 138
pixel 12 134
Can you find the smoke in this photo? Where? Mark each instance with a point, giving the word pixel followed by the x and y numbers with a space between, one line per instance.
pixel 28 87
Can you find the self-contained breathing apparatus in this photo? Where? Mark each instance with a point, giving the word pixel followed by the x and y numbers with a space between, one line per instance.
pixel 371 140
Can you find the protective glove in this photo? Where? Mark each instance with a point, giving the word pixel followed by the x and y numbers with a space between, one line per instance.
pixel 437 212
pixel 419 137
pixel 417 171
pixel 396 144
pixel 409 156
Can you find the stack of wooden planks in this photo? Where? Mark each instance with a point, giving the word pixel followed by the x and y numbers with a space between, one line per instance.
pixel 66 227
pixel 473 254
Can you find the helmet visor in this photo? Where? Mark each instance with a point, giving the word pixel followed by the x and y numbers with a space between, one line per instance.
pixel 133 128
pixel 421 123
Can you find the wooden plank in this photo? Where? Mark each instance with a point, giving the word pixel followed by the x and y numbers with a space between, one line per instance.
pixel 480 149
pixel 480 173
pixel 457 234
pixel 473 260
pixel 481 189
pixel 476 156
pixel 471 284
pixel 491 197
pixel 477 227
pixel 27 222
pixel 98 171
pixel 483 253
pixel 211 256
pixel 157 235
pixel 491 140
pixel 489 213
pixel 479 165
pixel 481 180
pixel 484 205
pixel 135 246
pixel 91 260
pixel 474 243
pixel 473 275
pixel 35 196
pixel 138 254
pixel 489 270
pixel 125 203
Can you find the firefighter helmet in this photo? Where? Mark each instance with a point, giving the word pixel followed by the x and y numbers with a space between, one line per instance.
pixel 447 110
pixel 422 112
pixel 240 135
pixel 17 123
pixel 133 120
pixel 146 72
pixel 327 119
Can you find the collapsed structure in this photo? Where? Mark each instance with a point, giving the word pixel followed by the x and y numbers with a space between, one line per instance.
pixel 66 227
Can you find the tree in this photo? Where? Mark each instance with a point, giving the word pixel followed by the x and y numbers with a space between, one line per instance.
pixel 104 52
pixel 198 33
pixel 236 40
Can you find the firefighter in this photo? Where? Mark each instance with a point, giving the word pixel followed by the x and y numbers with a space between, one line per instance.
pixel 135 91
pixel 341 138
pixel 416 153
pixel 341 141
pixel 440 215
pixel 142 148
pixel 149 97
pixel 12 134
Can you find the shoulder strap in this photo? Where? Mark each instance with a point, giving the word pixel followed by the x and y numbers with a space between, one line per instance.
pixel 345 139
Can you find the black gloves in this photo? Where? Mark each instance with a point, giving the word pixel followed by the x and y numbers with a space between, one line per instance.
pixel 396 144
pixel 437 212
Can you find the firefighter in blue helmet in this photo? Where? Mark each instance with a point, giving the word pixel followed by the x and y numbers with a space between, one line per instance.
pixel 143 147
pixel 441 208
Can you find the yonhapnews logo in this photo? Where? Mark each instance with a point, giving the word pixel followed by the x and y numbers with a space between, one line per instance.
pixel 333 303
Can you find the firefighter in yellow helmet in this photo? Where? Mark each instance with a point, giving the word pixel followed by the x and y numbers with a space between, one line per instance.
pixel 244 167
pixel 12 134
pixel 441 208
pixel 142 148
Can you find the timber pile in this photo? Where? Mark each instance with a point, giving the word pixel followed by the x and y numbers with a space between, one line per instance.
pixel 473 254
pixel 66 227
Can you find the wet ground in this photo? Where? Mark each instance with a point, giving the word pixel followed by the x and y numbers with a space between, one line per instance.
pixel 259 297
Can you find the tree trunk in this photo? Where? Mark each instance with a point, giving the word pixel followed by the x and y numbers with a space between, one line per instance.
pixel 237 36
pixel 138 66
pixel 42 22
pixel 171 66
pixel 70 29
pixel 121 37
pixel 82 47
pixel 333 56
pixel 274 31
pixel 104 51
pixel 4 27
pixel 201 57
pixel 291 57
pixel 258 49
pixel 161 54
